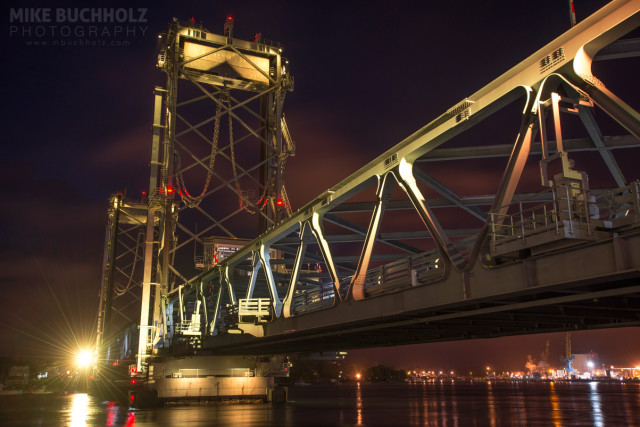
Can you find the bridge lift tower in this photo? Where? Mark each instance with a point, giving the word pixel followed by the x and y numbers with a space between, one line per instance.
pixel 218 125
pixel 219 147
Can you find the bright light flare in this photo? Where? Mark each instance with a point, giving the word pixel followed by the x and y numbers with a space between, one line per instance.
pixel 84 358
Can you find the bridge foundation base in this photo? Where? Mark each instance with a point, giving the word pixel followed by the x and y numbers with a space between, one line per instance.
pixel 210 380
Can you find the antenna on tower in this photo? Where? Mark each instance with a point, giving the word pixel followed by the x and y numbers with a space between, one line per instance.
pixel 572 13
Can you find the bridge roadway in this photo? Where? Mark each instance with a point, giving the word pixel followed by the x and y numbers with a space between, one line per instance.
pixel 589 286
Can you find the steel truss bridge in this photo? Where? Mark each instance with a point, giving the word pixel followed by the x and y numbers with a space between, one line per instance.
pixel 396 255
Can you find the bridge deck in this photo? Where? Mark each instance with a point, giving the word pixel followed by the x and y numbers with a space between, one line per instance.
pixel 594 285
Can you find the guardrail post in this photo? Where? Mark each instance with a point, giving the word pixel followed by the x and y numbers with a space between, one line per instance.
pixel 521 222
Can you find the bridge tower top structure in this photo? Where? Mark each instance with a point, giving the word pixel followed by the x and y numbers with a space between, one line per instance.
pixel 219 147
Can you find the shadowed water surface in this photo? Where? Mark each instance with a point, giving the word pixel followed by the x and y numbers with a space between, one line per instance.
pixel 433 404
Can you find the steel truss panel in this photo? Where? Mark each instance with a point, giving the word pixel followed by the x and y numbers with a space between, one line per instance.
pixel 122 277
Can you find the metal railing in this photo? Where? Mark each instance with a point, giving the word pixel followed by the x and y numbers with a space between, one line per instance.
pixel 409 272
pixel 571 209
pixel 620 206
pixel 254 309
pixel 320 297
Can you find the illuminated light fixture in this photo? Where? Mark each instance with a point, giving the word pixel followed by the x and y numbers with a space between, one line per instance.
pixel 169 190
pixel 84 358
pixel 279 202
pixel 229 18
pixel 133 381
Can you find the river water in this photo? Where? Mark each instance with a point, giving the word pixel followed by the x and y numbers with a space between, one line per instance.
pixel 434 404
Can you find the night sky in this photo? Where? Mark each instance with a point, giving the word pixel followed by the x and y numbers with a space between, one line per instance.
pixel 77 127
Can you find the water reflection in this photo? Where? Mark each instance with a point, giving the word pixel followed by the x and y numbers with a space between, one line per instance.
pixel 596 406
pixel 359 421
pixel 454 402
pixel 425 404
pixel 443 408
pixel 112 413
pixel 521 407
pixel 79 412
pixel 430 404
pixel 131 420
pixel 492 404
pixel 555 406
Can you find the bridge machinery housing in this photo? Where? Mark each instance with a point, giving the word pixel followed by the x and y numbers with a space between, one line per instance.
pixel 398 254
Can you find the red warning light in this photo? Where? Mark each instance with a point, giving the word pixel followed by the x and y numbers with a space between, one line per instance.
pixel 229 18
pixel 169 190
pixel 133 381
pixel 279 202
pixel 132 398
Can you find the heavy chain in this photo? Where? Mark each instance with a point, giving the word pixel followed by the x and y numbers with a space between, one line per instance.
pixel 187 198
pixel 233 154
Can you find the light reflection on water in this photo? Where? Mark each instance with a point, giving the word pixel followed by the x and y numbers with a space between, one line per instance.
pixel 454 405
pixel 594 397
pixel 431 403
pixel 79 409
pixel 555 407
pixel 492 404
pixel 359 405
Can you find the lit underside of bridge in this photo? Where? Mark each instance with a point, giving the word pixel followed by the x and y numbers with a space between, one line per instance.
pixel 395 254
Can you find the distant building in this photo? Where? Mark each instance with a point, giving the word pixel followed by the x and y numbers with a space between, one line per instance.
pixel 584 363
pixel 18 375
